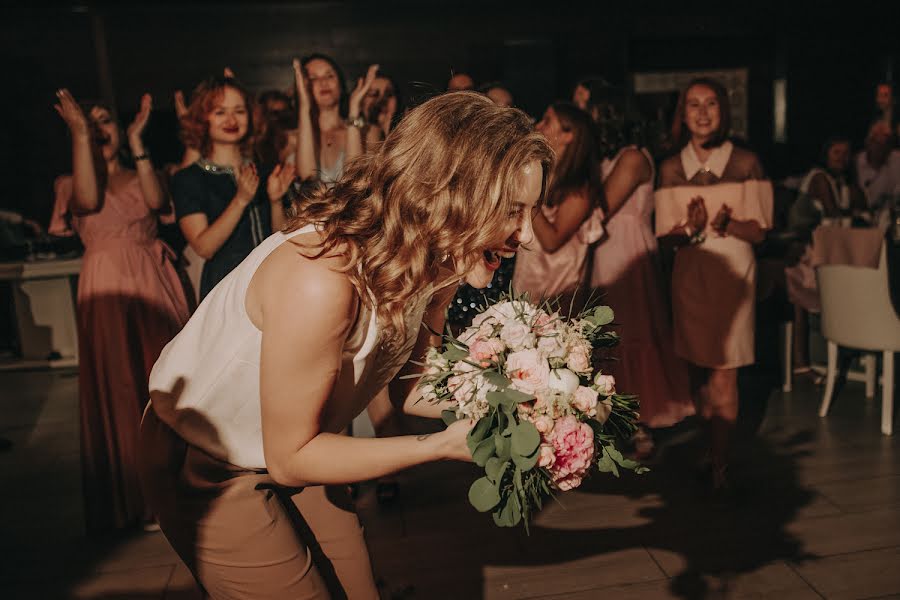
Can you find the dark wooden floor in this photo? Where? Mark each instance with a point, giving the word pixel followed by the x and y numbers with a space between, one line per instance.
pixel 815 514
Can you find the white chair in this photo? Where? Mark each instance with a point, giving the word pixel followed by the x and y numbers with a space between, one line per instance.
pixel 857 313
pixel 787 359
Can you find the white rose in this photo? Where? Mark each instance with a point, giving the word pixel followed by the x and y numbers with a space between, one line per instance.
pixel 502 311
pixel 528 370
pixel 564 381
pixel 469 335
pixel 485 317
pixel 514 334
pixel 551 346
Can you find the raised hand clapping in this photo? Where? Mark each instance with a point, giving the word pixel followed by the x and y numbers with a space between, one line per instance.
pixel 301 86
pixel 136 129
pixel 71 113
pixel 362 88
pixel 279 181
pixel 247 183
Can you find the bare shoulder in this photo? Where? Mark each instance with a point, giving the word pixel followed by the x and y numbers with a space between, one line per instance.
pixel 635 161
pixel 292 280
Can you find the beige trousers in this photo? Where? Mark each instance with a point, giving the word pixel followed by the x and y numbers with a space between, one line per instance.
pixel 243 536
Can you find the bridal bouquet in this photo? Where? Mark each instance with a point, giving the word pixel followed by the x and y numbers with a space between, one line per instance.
pixel 544 419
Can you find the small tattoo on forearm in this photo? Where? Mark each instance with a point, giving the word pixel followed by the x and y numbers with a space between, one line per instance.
pixel 423 437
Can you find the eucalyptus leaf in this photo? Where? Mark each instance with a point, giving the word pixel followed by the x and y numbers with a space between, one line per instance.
pixel 496 399
pixel 513 509
pixel 606 464
pixel 480 431
pixel 496 379
pixel 454 353
pixel 503 446
pixel 492 468
pixel 518 397
pixel 525 439
pixel 526 463
pixel 483 495
pixel 603 315
pixel 483 451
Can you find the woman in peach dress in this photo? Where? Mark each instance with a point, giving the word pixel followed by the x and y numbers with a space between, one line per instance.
pixel 714 275
pixel 130 303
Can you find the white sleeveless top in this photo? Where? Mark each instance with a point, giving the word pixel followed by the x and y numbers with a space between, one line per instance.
pixel 205 384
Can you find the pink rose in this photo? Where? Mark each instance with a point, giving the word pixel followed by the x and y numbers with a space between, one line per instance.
pixel 585 400
pixel 528 370
pixel 482 352
pixel 606 384
pixel 579 359
pixel 546 457
pixel 541 323
pixel 543 424
pixel 573 445
pixel 525 408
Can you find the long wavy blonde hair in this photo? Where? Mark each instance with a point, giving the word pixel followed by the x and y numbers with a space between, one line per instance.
pixel 442 184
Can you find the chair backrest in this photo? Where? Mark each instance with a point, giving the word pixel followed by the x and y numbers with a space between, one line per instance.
pixel 856 307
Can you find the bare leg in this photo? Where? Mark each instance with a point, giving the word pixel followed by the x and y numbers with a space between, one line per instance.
pixel 720 410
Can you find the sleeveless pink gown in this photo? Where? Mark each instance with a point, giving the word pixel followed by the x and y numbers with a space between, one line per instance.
pixel 626 270
pixel 131 302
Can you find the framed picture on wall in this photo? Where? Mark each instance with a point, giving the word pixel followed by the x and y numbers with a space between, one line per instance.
pixel 656 93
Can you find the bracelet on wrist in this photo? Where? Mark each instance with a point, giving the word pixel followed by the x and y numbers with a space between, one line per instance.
pixel 142 156
pixel 358 121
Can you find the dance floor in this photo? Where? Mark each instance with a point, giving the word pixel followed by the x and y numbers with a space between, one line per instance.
pixel 815 513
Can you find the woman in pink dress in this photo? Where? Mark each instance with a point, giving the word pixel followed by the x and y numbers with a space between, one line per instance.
pixel 626 271
pixel 570 220
pixel 130 303
pixel 714 275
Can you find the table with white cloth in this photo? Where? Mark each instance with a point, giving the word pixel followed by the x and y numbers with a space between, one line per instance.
pixel 44 303
pixel 832 245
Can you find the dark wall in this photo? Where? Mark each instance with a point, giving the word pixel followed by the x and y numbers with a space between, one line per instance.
pixel 539 51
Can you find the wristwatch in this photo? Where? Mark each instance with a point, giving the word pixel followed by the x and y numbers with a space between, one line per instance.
pixel 358 121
